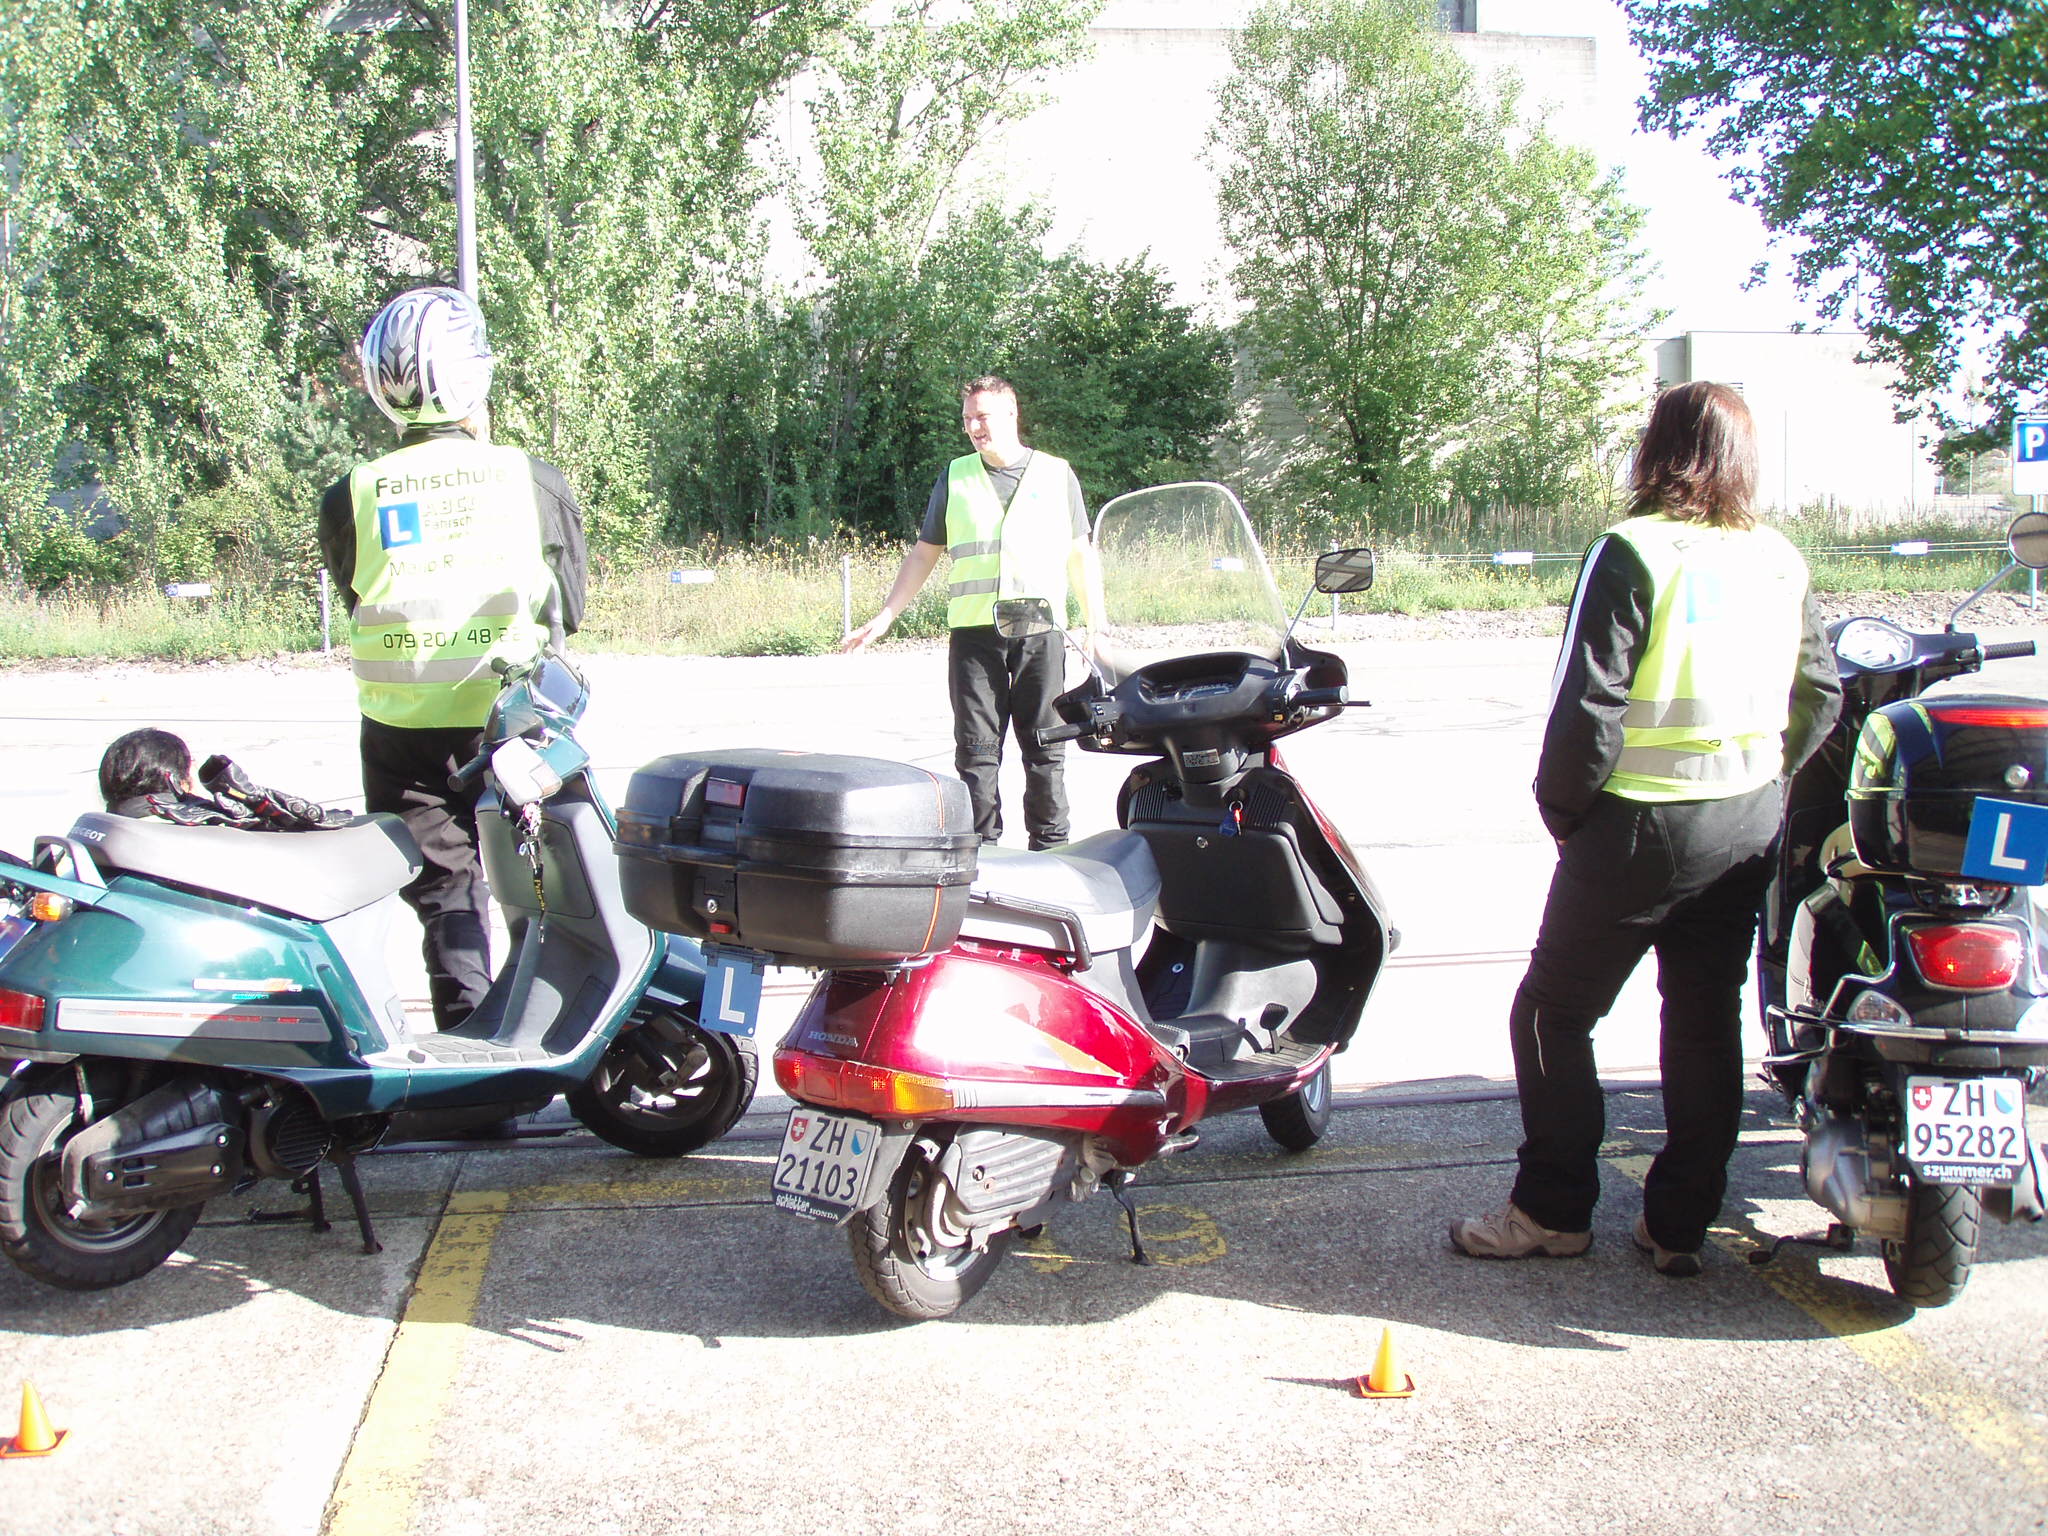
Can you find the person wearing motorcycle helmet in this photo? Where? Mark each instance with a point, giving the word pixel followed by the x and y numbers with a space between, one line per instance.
pixel 1693 680
pixel 450 553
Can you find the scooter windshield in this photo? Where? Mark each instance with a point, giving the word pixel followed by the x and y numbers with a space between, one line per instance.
pixel 1182 573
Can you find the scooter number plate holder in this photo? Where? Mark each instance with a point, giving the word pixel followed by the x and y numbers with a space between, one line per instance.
pixel 1966 1130
pixel 823 1166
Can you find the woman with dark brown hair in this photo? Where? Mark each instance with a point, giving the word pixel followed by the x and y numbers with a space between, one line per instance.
pixel 1693 678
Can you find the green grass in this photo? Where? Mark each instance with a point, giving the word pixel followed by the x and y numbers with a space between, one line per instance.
pixel 784 601
pixel 144 625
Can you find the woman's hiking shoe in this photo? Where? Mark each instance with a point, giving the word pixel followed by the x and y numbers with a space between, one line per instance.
pixel 1511 1233
pixel 1679 1263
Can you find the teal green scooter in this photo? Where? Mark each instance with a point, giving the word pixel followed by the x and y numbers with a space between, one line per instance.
pixel 188 1010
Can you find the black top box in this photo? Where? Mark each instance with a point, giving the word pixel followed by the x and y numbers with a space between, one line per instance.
pixel 813 858
pixel 1921 766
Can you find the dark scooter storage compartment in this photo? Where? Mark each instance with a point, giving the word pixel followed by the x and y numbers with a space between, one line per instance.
pixel 1922 764
pixel 816 859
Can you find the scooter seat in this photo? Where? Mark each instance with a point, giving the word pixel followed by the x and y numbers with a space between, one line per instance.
pixel 315 875
pixel 1109 882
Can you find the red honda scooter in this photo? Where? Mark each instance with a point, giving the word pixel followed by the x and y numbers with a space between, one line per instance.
pixel 951 1102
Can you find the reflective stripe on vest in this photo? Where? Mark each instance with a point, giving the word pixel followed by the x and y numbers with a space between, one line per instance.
pixel 1709 702
pixel 998 554
pixel 449 573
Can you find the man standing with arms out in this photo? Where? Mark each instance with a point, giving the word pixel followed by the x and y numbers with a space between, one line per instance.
pixel 1013 521
pixel 449 553
pixel 1693 677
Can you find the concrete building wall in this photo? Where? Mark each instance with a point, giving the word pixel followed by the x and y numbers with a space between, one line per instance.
pixel 1825 427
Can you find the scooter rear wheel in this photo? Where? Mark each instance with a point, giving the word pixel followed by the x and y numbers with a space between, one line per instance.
pixel 36 1230
pixel 1298 1121
pixel 667 1087
pixel 901 1260
pixel 1931 1267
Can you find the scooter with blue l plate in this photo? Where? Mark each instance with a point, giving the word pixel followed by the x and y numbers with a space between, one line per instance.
pixel 1900 962
pixel 187 1010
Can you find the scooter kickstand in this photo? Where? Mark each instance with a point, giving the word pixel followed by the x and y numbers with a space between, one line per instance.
pixel 307 1184
pixel 1115 1181
pixel 1838 1239
pixel 346 1167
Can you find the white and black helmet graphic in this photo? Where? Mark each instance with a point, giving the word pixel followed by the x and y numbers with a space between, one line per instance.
pixel 425 359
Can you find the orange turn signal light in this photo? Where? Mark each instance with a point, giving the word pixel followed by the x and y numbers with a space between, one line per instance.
pixel 882 1092
pixel 49 907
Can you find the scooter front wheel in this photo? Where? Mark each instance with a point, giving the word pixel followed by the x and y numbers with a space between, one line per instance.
pixel 902 1260
pixel 37 1230
pixel 1933 1264
pixel 667 1087
pixel 1298 1121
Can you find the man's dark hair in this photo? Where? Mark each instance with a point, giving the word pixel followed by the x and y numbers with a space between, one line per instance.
pixel 144 762
pixel 988 384
pixel 1697 459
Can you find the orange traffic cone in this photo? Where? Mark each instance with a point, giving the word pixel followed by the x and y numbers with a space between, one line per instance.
pixel 1387 1378
pixel 36 1437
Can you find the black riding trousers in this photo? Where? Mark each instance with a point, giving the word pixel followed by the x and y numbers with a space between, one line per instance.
pixel 1682 879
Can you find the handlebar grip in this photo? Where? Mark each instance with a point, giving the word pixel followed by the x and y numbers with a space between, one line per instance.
pixel 1051 735
pixel 2008 650
pixel 1319 698
pixel 461 777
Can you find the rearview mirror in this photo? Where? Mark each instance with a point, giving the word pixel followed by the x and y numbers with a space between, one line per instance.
pixel 1019 618
pixel 1346 570
pixel 2028 540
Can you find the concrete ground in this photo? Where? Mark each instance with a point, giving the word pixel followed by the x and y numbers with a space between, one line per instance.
pixel 558 1337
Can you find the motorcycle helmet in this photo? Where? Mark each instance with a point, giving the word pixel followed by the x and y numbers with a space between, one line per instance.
pixel 425 359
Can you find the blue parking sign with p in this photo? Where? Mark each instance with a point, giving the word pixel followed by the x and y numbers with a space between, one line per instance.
pixel 2030 456
pixel 2008 842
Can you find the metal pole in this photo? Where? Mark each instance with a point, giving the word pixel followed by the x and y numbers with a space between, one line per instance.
pixel 465 174
pixel 845 595
pixel 326 644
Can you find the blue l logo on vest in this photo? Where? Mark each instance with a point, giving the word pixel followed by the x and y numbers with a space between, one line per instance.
pixel 1705 598
pixel 2008 843
pixel 399 524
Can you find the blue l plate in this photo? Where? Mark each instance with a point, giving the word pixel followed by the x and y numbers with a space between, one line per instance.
pixel 2008 842
pixel 732 990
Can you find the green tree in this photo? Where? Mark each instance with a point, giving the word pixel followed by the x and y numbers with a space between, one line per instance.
pixel 1564 385
pixel 913 270
pixel 183 225
pixel 1129 386
pixel 619 192
pixel 1398 258
pixel 1899 145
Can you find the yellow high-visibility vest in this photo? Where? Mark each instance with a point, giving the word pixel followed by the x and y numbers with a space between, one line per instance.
pixel 1021 552
pixel 1708 707
pixel 449 574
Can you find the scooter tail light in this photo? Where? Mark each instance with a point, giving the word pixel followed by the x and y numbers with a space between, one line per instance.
pixel 20 1010
pixel 1967 957
pixel 879 1091
pixel 809 1078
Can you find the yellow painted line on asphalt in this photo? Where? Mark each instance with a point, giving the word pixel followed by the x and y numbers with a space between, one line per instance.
pixel 380 1479
pixel 379 1482
pixel 1988 1423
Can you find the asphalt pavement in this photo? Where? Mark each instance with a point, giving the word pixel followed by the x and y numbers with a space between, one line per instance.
pixel 559 1337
